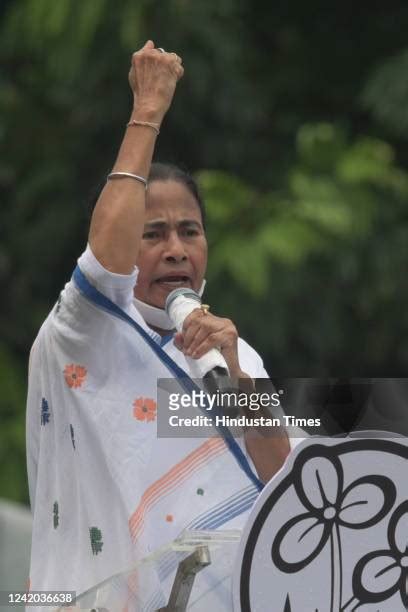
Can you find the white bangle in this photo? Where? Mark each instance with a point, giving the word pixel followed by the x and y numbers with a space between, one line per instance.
pixel 119 175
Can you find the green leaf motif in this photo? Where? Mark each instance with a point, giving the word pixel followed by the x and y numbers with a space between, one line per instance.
pixel 55 514
pixel 96 540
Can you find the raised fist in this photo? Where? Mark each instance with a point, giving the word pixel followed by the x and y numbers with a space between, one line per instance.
pixel 153 77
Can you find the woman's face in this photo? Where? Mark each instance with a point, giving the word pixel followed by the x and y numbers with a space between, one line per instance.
pixel 173 250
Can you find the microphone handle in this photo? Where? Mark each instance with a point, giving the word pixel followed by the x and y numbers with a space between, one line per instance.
pixel 208 362
pixel 216 379
pixel 179 304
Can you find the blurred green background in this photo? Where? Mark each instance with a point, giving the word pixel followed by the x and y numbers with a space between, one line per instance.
pixel 294 117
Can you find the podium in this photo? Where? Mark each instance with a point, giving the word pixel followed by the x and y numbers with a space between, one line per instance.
pixel 194 572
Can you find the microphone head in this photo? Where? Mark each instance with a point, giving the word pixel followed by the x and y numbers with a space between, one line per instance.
pixel 181 291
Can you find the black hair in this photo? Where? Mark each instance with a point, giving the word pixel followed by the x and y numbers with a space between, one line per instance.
pixel 159 172
pixel 171 172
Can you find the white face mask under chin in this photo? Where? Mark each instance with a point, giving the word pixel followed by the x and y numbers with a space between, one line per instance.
pixel 157 317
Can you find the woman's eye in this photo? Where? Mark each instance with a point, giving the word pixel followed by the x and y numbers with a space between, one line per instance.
pixel 150 235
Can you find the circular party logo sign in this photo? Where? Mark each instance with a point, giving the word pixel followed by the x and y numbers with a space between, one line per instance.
pixel 330 532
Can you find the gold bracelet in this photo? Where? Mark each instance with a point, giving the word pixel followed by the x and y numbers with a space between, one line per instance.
pixel 154 126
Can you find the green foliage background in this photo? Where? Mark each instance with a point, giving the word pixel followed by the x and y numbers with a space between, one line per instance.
pixel 294 117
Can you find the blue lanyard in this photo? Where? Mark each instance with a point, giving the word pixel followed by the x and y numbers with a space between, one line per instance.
pixel 100 300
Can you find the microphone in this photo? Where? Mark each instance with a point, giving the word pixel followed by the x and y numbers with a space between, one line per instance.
pixel 212 366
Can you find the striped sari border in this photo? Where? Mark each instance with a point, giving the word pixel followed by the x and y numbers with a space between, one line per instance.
pixel 174 477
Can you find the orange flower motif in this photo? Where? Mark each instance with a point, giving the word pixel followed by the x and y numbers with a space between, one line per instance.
pixel 144 409
pixel 74 375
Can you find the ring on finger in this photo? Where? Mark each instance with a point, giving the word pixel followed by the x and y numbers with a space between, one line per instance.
pixel 161 49
pixel 176 56
pixel 205 308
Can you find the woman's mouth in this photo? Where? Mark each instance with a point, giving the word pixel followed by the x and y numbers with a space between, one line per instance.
pixel 174 281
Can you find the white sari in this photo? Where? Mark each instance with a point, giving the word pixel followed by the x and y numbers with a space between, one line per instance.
pixel 105 490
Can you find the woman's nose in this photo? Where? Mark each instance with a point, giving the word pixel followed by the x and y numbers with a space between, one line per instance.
pixel 175 250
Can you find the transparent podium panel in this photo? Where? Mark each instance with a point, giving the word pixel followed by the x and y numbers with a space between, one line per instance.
pixel 194 572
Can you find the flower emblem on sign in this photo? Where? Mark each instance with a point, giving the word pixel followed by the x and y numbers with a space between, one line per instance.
pixel 330 532
pixel 328 507
pixel 382 573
